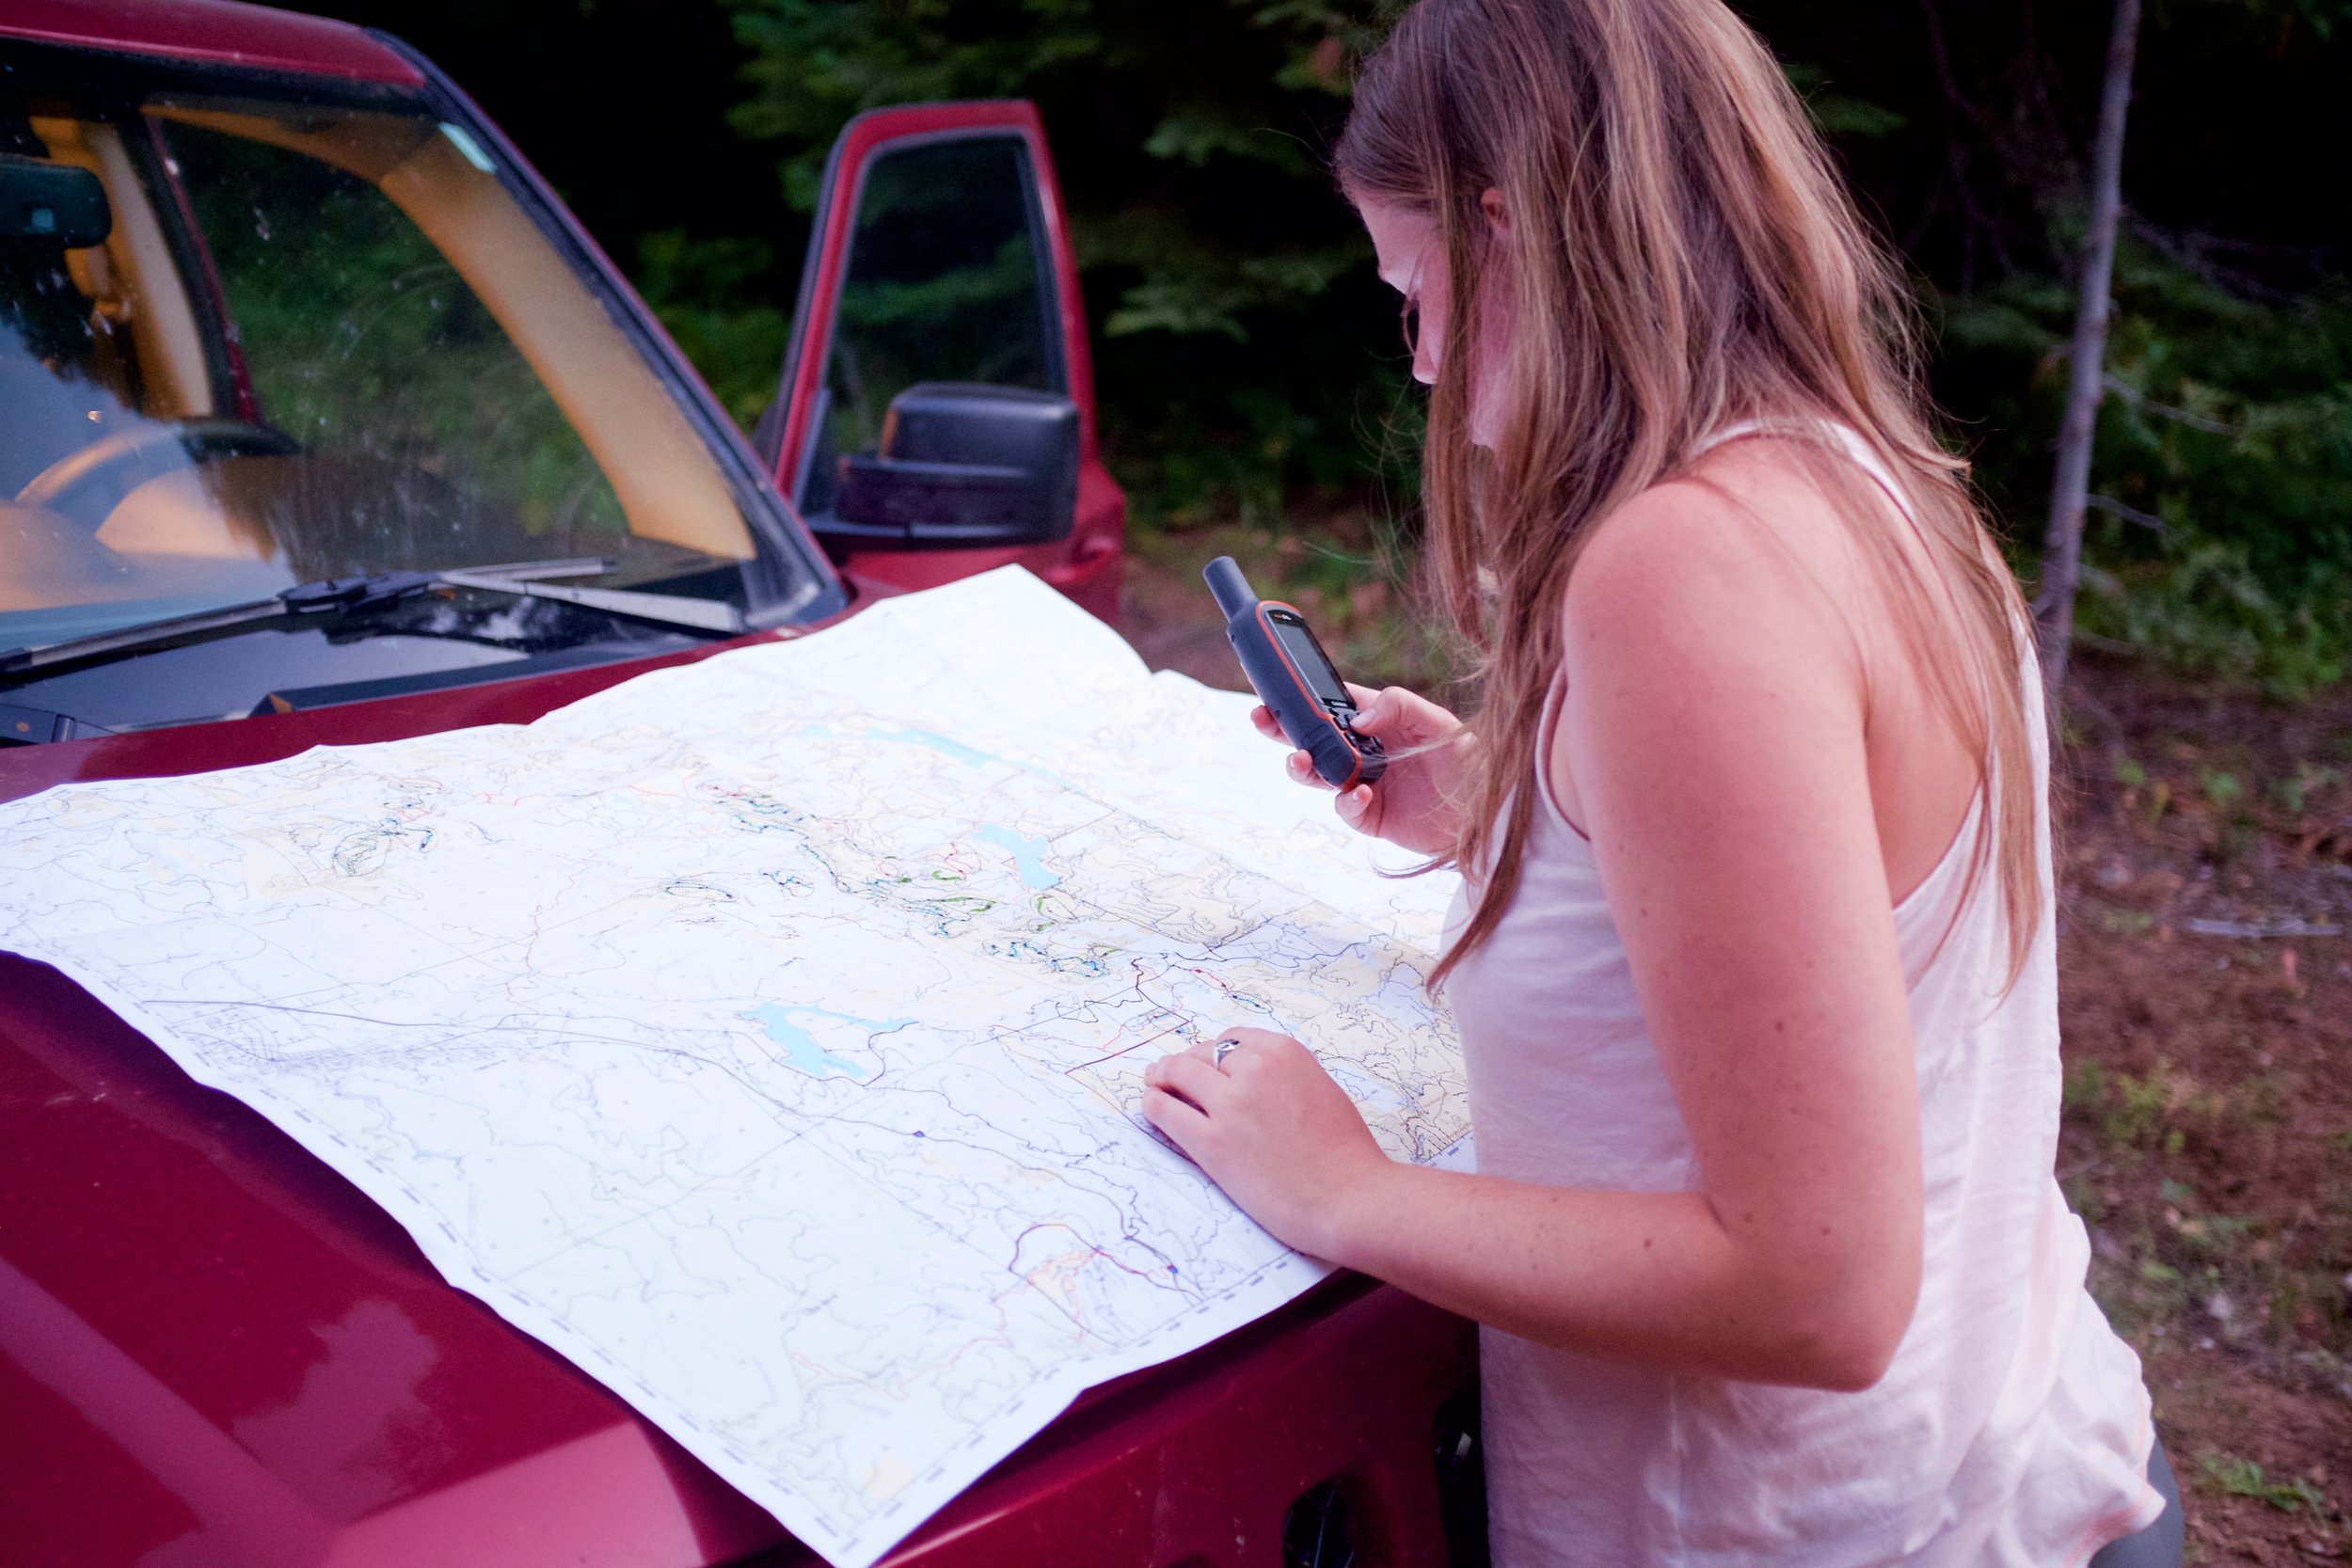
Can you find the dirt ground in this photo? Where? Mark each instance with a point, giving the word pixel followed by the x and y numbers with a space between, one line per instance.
pixel 2206 971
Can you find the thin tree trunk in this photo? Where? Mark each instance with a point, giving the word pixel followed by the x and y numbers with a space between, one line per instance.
pixel 2062 549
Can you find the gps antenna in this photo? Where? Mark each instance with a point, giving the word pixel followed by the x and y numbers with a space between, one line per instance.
pixel 1234 596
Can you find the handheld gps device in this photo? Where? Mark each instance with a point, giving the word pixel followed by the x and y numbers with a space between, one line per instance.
pixel 1294 679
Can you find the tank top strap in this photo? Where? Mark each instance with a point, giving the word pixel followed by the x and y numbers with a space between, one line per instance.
pixel 1835 434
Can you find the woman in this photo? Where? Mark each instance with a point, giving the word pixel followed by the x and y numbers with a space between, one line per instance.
pixel 1753 965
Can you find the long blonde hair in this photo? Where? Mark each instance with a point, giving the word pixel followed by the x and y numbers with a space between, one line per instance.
pixel 1680 256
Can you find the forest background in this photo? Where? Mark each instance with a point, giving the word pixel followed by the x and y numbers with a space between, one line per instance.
pixel 1254 398
pixel 1249 361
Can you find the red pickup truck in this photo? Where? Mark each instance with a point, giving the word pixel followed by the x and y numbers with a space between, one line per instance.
pixel 322 421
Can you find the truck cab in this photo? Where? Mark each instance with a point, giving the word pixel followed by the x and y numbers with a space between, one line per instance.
pixel 322 422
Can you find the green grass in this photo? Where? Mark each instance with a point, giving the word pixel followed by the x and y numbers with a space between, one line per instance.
pixel 2243 1478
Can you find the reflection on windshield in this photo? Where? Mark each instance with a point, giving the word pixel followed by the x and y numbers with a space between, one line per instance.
pixel 316 343
pixel 363 344
pixel 80 361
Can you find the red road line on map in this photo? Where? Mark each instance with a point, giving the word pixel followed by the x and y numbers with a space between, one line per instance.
pixel 1122 1050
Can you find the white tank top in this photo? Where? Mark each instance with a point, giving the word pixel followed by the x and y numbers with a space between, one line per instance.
pixel 2013 1426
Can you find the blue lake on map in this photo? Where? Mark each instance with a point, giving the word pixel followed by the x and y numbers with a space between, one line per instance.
pixel 955 749
pixel 1028 853
pixel 800 1049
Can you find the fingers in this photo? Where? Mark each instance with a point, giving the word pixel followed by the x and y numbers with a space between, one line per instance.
pixel 1401 718
pixel 1193 1071
pixel 1181 1120
pixel 1355 807
pixel 1203 1051
pixel 1187 1095
pixel 1298 764
pixel 1245 1038
pixel 1190 1075
pixel 1301 769
pixel 1376 712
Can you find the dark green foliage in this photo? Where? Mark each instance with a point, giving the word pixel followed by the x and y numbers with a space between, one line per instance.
pixel 2229 419
pixel 2220 535
pixel 708 294
pixel 2220 540
pixel 1243 345
pixel 1245 350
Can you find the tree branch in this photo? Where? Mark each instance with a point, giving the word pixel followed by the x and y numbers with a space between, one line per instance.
pixel 2114 508
pixel 2109 381
pixel 2061 553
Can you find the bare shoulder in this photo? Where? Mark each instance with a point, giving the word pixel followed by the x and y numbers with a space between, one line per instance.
pixel 1744 553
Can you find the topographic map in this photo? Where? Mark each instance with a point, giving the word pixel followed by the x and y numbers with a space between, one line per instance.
pixel 765 1035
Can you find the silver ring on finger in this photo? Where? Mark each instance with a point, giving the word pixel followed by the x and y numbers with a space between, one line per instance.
pixel 1220 1050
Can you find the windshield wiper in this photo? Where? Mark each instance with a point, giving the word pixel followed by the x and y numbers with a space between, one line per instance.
pixel 346 595
pixel 669 609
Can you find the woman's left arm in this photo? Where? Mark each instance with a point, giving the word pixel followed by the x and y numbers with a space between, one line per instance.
pixel 1716 714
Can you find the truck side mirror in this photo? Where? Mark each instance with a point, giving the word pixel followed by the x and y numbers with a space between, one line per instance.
pixel 936 413
pixel 962 464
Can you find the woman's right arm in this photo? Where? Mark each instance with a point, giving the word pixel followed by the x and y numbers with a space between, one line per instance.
pixel 1717 714
pixel 1418 802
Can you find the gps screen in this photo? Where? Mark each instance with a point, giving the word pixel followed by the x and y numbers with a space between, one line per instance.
pixel 1306 655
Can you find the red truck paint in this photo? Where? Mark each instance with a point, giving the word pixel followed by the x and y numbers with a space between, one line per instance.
pixel 215 1351
pixel 218 30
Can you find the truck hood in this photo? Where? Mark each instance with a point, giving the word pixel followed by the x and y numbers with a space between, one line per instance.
pixel 216 1353
pixel 232 1355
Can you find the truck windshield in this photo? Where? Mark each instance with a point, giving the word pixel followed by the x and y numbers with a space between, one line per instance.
pixel 249 342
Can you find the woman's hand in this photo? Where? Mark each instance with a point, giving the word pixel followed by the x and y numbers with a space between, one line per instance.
pixel 1416 803
pixel 1273 1130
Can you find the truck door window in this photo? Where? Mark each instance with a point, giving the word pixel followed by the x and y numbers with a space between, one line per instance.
pixel 948 280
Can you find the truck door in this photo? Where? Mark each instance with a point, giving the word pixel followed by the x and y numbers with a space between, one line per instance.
pixel 936 416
